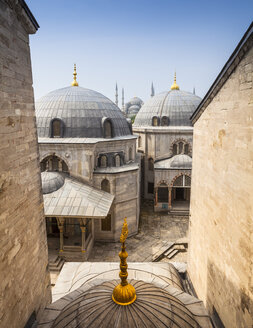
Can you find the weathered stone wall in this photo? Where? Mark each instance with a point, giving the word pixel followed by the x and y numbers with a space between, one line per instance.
pixel 221 227
pixel 25 282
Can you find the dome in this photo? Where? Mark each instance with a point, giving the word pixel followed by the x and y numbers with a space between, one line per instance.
pixel 181 161
pixel 51 181
pixel 176 105
pixel 135 101
pixel 81 112
pixel 133 109
pixel 153 307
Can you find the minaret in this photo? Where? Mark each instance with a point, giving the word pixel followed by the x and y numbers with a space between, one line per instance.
pixel 74 83
pixel 123 104
pixel 193 90
pixel 116 95
pixel 174 85
pixel 152 90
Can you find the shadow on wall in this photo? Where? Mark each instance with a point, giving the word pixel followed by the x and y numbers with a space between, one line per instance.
pixel 228 304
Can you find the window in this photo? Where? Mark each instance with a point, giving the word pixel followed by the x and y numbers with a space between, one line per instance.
pixel 106 223
pixel 56 127
pixel 105 185
pixel 117 160
pixel 108 129
pixel 139 141
pixel 165 121
pixel 150 187
pixel 53 163
pixel 186 149
pixel 155 121
pixel 163 193
pixel 175 149
pixel 103 161
pixel 181 146
pixel 130 154
pixel 150 164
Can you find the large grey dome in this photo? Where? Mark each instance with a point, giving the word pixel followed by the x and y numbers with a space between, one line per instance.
pixel 175 106
pixel 81 112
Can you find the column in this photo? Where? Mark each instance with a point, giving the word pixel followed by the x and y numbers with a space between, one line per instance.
pixel 156 196
pixel 83 238
pixel 169 200
pixel 60 223
pixel 60 165
pixel 50 164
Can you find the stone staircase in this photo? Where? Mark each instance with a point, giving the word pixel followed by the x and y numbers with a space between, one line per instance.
pixel 171 249
pixel 55 263
pixel 73 254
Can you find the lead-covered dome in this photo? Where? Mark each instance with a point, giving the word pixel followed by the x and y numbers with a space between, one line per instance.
pixel 80 113
pixel 170 108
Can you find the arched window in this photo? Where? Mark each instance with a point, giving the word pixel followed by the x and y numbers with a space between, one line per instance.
pixel 175 149
pixel 105 185
pixel 155 121
pixel 139 141
pixel 56 128
pixel 165 121
pixel 117 160
pixel 103 161
pixel 53 163
pixel 150 164
pixel 186 149
pixel 181 146
pixel 107 129
pixel 130 154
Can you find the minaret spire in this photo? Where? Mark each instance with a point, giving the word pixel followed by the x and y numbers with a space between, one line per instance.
pixel 116 95
pixel 174 85
pixel 123 104
pixel 124 293
pixel 152 90
pixel 74 83
pixel 193 90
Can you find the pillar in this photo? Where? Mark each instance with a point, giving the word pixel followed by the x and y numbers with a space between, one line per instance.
pixel 83 238
pixel 60 165
pixel 50 164
pixel 156 196
pixel 169 200
pixel 60 223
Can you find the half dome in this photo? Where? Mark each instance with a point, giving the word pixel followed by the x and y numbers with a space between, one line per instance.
pixel 175 105
pixel 81 112
pixel 51 181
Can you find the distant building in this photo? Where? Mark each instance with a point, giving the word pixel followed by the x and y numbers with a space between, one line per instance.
pixel 164 134
pixel 25 282
pixel 132 107
pixel 90 171
pixel 220 253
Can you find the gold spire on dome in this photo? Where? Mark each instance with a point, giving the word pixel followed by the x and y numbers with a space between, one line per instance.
pixel 174 85
pixel 124 293
pixel 74 83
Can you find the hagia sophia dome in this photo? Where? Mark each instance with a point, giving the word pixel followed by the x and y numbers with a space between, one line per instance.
pixel 81 112
pixel 169 108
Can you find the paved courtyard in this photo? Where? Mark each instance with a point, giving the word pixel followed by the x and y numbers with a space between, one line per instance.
pixel 154 232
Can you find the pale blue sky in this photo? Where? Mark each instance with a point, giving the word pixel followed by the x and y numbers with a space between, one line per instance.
pixel 134 42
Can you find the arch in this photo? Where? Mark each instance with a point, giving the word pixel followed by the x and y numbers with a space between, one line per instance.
pixel 181 146
pixel 56 128
pixel 53 163
pixel 103 161
pixel 117 160
pixel 105 185
pixel 184 179
pixel 108 130
pixel 151 164
pixel 165 121
pixel 155 121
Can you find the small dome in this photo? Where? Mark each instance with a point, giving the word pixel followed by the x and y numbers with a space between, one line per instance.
pixel 51 181
pixel 153 307
pixel 82 112
pixel 176 105
pixel 181 161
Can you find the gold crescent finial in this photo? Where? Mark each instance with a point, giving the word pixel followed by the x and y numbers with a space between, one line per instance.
pixel 74 83
pixel 124 293
pixel 174 85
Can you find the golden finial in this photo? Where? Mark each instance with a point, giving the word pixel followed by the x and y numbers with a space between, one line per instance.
pixel 174 85
pixel 74 83
pixel 124 293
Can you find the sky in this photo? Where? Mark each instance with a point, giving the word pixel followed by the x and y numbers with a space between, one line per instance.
pixel 134 42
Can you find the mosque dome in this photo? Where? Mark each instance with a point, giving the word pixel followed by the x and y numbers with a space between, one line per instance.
pixel 135 101
pixel 181 161
pixel 169 108
pixel 81 113
pixel 51 181
pixel 153 307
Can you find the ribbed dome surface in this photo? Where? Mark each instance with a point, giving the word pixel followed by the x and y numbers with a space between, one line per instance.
pixel 154 307
pixel 177 105
pixel 51 181
pixel 81 111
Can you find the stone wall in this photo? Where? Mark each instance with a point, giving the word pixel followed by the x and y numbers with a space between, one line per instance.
pixel 220 262
pixel 25 282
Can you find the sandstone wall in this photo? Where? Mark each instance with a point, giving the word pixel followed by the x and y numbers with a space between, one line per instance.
pixel 221 229
pixel 24 283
